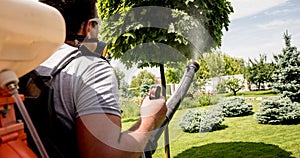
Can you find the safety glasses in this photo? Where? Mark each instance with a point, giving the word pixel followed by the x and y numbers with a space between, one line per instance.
pixel 96 21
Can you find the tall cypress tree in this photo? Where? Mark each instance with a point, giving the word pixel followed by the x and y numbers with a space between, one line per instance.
pixel 287 76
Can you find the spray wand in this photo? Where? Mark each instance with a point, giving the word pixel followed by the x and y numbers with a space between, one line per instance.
pixel 172 105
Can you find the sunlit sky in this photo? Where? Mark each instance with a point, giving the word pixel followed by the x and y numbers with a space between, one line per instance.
pixel 257 27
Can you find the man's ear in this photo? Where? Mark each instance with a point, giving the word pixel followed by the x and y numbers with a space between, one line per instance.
pixel 86 28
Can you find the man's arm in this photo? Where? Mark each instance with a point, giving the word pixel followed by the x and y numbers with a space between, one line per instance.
pixel 99 135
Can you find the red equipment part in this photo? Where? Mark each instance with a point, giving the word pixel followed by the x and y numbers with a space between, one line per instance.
pixel 13 143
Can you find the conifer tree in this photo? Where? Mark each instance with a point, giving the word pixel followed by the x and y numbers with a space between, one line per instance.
pixel 287 76
pixel 145 87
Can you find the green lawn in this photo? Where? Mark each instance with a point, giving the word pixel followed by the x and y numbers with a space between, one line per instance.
pixel 242 137
pixel 262 93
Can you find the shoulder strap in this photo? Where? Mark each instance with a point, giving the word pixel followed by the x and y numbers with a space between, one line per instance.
pixel 41 107
pixel 83 52
pixel 60 66
pixel 101 48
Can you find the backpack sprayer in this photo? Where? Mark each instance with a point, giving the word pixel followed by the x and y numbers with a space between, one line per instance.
pixel 27 39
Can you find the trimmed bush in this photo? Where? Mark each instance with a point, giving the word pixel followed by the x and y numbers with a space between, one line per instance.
pixel 201 120
pixel 235 106
pixel 278 110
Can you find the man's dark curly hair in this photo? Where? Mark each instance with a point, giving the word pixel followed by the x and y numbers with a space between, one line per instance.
pixel 75 12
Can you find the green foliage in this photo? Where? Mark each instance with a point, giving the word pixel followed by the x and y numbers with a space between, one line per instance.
pixel 235 106
pixel 171 76
pixel 206 99
pixel 137 81
pixel 119 75
pixel 153 27
pixel 129 108
pixel 233 66
pixel 234 85
pixel 215 63
pixel 187 103
pixel 278 110
pixel 259 71
pixel 221 87
pixel 287 76
pixel 124 91
pixel 201 120
pixel 145 87
pixel 122 84
pixel 190 122
pixel 261 93
pixel 203 72
pixel 274 140
pixel 218 64
pixel 174 73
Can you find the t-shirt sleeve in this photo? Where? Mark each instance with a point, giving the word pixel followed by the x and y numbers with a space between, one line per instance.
pixel 96 90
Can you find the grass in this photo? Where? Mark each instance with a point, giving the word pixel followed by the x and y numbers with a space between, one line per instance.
pixel 242 137
pixel 262 93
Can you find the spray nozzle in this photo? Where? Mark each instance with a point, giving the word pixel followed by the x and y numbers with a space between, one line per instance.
pixel 194 64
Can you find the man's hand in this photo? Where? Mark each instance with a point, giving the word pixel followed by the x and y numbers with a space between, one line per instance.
pixel 153 111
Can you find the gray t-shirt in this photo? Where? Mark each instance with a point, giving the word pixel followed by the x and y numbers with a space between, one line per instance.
pixel 87 85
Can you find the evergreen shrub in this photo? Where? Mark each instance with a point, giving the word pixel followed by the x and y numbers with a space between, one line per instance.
pixel 235 106
pixel 279 110
pixel 201 120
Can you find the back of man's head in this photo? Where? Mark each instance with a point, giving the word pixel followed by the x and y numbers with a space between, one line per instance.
pixel 75 12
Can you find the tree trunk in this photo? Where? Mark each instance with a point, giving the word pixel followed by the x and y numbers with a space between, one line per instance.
pixel 234 93
pixel 166 133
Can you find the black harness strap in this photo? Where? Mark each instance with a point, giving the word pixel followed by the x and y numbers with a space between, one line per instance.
pixel 42 110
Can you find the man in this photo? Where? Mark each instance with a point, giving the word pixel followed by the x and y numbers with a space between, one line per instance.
pixel 85 94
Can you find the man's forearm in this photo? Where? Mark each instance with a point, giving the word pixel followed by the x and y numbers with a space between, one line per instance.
pixel 110 141
pixel 141 131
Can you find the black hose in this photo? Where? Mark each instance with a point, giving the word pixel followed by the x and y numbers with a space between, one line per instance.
pixel 173 104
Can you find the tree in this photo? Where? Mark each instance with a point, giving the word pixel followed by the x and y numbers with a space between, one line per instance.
pixel 234 84
pixel 150 32
pixel 233 66
pixel 124 88
pixel 137 81
pixel 287 76
pixel 259 71
pixel 172 75
pixel 145 87
pixel 203 73
pixel 220 64
pixel 215 63
pixel 174 72
pixel 120 76
pixel 122 84
pixel 221 87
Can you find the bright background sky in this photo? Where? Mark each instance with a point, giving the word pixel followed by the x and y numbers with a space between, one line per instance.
pixel 257 27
